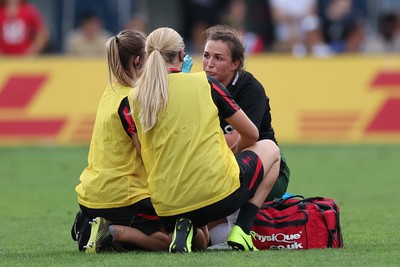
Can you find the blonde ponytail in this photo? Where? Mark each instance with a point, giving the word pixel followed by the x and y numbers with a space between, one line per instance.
pixel 162 45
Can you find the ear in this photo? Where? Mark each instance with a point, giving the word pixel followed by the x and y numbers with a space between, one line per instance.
pixel 235 65
pixel 136 61
pixel 181 55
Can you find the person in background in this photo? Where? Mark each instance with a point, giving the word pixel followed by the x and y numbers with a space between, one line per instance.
pixel 22 29
pixel 388 38
pixel 297 28
pixel 198 15
pixel 112 192
pixel 236 17
pixel 88 39
pixel 353 37
pixel 194 177
pixel 223 60
pixel 343 26
pixel 137 22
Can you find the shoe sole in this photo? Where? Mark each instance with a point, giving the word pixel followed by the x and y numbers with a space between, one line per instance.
pixel 182 231
pixel 236 246
pixel 93 245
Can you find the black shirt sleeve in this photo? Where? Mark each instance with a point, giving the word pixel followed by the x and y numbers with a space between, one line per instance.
pixel 125 115
pixel 222 99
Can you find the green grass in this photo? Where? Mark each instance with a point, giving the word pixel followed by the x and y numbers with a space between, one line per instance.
pixel 38 204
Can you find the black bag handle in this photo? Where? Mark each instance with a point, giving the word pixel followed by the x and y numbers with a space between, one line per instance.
pixel 271 222
pixel 280 202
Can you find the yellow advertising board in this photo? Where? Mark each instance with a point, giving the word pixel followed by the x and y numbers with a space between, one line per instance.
pixel 349 99
pixel 342 99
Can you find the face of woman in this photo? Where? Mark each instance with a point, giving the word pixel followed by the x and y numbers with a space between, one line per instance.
pixel 217 61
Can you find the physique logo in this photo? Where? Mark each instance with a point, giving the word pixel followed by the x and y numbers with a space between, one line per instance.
pixel 281 240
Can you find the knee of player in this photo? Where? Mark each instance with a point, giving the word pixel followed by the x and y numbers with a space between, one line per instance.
pixel 272 149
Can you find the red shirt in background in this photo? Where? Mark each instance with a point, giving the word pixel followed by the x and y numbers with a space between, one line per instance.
pixel 17 33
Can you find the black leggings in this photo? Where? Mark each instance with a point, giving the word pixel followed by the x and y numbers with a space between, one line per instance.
pixel 140 215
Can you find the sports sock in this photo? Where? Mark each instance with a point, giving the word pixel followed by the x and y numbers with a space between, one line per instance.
pixel 111 230
pixel 246 216
pixel 219 233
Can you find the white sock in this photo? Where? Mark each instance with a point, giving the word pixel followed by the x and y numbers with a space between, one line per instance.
pixel 219 233
pixel 232 218
pixel 111 230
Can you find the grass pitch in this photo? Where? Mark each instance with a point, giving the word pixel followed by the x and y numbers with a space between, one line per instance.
pixel 38 204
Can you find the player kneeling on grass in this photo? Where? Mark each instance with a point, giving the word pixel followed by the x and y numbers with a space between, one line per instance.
pixel 193 176
pixel 116 211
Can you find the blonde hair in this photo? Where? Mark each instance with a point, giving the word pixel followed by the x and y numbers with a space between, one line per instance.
pixel 162 46
pixel 122 50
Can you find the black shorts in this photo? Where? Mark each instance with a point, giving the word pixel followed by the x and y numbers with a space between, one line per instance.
pixel 140 215
pixel 251 175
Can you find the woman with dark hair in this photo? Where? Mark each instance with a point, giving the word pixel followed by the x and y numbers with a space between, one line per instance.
pixel 223 59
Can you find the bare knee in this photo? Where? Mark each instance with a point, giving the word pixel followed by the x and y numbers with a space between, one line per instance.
pixel 268 152
pixel 271 149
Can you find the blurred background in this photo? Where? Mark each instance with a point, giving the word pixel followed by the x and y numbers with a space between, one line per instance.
pixel 345 26
pixel 330 67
